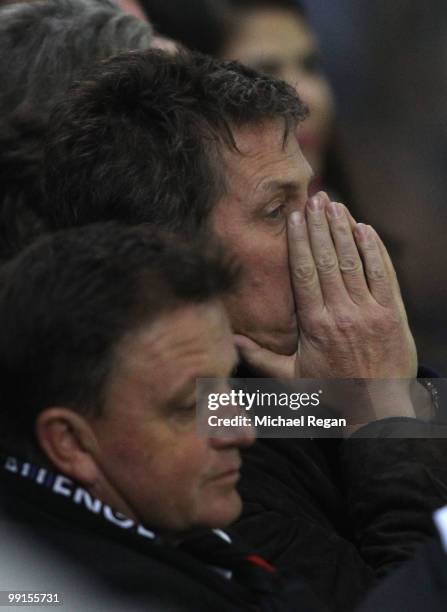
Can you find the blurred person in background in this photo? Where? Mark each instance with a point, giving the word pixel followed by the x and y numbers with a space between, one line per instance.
pixel 387 61
pixel 274 37
pixel 44 46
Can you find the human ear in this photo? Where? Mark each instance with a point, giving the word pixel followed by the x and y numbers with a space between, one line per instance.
pixel 68 441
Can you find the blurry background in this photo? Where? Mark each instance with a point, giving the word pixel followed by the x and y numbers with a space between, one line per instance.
pixel 387 64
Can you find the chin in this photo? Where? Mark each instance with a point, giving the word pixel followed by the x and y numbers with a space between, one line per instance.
pixel 224 513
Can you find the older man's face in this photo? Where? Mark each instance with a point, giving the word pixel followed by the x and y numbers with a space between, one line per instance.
pixel 154 465
pixel 266 181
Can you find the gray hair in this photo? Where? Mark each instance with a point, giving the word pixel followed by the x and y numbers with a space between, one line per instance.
pixel 45 45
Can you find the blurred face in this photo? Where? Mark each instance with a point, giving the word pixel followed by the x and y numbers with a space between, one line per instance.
pixel 155 467
pixel 266 181
pixel 278 42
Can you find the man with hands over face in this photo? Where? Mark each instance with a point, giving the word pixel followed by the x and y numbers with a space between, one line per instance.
pixel 345 289
pixel 208 147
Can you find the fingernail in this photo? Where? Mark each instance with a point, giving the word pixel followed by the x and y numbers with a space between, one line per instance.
pixel 316 203
pixel 335 209
pixel 296 218
pixel 361 230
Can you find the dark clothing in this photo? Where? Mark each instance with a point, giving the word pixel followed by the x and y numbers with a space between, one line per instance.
pixel 87 541
pixel 113 563
pixel 418 586
pixel 343 513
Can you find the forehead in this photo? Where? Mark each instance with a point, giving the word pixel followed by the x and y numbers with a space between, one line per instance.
pixel 165 358
pixel 265 159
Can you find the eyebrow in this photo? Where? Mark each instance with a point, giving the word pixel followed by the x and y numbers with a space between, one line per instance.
pixel 188 386
pixel 271 186
pixel 288 186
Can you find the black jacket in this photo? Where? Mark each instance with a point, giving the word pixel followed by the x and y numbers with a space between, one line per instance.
pixel 418 586
pixel 343 513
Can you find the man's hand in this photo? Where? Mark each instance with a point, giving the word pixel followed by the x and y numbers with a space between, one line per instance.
pixel 350 312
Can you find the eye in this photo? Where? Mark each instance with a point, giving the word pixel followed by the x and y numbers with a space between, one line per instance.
pixel 183 415
pixel 188 409
pixel 275 213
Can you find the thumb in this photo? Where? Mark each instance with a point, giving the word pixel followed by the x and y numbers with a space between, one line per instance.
pixel 265 362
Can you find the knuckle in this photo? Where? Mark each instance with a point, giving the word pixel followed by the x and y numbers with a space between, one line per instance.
pixel 375 272
pixel 304 272
pixel 379 326
pixel 358 294
pixel 326 262
pixel 396 321
pixel 384 322
pixel 370 249
pixel 318 223
pixel 349 264
pixel 343 230
pixel 345 322
pixel 319 328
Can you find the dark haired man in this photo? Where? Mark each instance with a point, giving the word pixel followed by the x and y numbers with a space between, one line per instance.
pixel 220 142
pixel 202 146
pixel 105 330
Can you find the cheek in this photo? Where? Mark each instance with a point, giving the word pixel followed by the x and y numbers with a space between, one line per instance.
pixel 265 286
pixel 130 449
pixel 180 468
pixel 268 263
pixel 265 251
pixel 183 494
pixel 169 489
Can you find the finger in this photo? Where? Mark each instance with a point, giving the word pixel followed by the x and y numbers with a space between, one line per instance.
pixel 392 273
pixel 387 259
pixel 304 276
pixel 264 361
pixel 352 221
pixel 379 281
pixel 384 250
pixel 349 260
pixel 323 250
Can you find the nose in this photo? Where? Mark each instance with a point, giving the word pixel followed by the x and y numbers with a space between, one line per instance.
pixel 237 436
